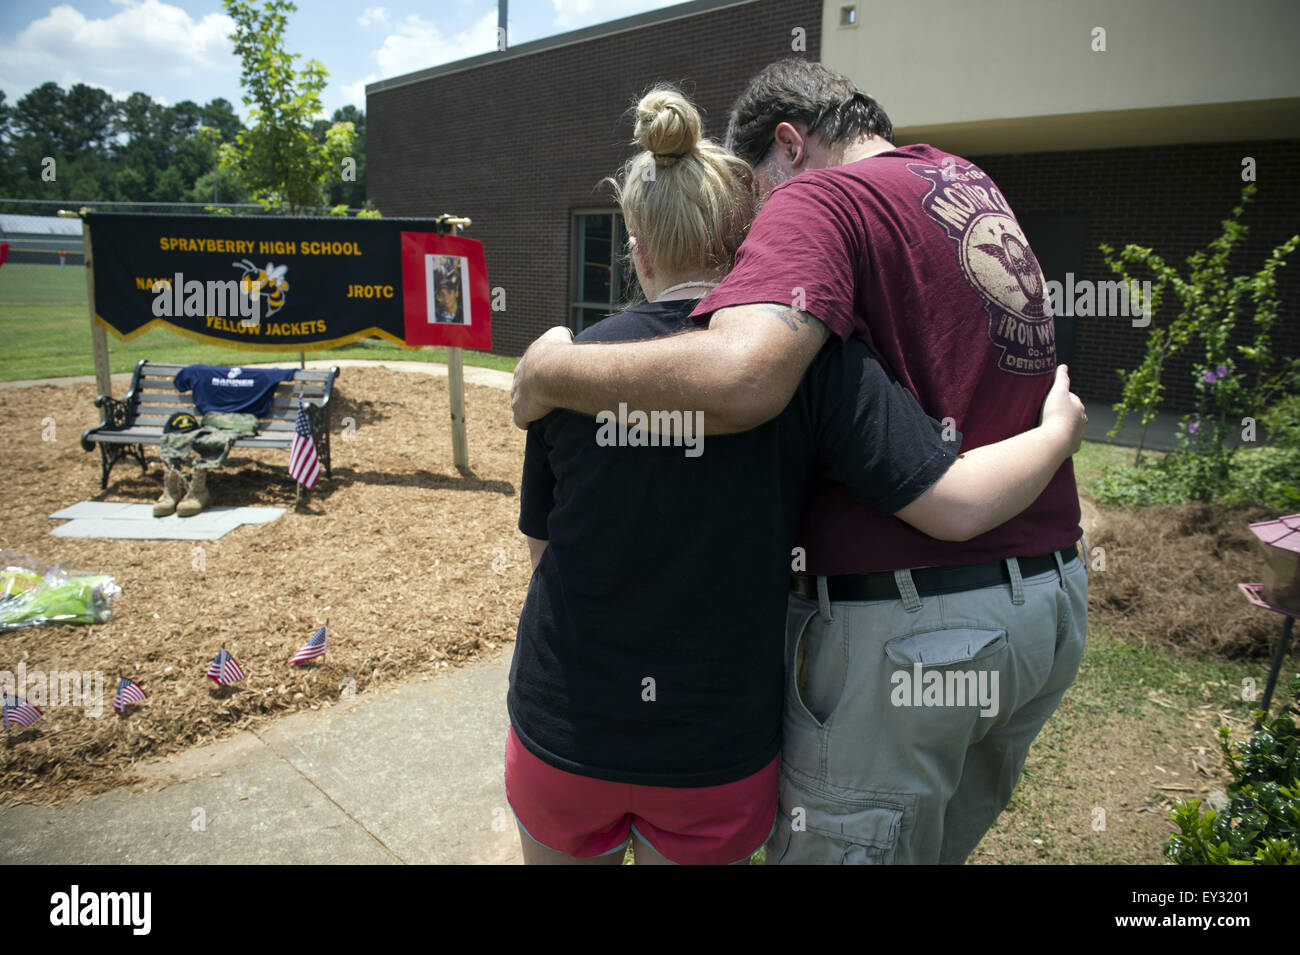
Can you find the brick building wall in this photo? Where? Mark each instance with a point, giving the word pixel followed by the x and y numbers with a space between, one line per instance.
pixel 519 145
pixel 1171 199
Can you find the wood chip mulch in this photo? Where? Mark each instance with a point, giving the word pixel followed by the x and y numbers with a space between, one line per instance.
pixel 415 566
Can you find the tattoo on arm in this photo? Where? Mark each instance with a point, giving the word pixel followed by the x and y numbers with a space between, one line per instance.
pixel 793 318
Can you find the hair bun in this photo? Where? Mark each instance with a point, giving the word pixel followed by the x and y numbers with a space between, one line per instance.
pixel 667 124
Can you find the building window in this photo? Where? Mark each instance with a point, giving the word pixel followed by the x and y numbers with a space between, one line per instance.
pixel 602 281
pixel 849 15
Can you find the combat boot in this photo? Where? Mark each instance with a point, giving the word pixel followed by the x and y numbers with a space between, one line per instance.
pixel 173 492
pixel 197 498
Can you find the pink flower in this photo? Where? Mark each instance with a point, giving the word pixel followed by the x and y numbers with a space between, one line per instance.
pixel 1193 427
pixel 1223 371
pixel 1209 376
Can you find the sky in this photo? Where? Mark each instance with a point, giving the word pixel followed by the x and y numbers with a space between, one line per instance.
pixel 179 49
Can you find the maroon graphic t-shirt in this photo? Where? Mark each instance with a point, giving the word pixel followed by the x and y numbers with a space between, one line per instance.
pixel 917 253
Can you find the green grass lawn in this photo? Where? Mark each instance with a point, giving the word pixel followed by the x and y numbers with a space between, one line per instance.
pixel 45 326
pixel 1095 457
pixel 1131 708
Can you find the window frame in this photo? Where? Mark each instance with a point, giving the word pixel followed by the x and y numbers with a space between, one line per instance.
pixel 618 248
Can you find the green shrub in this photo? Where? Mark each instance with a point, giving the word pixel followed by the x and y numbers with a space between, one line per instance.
pixel 1257 475
pixel 1126 485
pixel 1271 475
pixel 1261 825
pixel 1281 420
pixel 1266 476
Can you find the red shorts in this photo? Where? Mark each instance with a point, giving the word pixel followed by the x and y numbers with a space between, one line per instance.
pixel 585 817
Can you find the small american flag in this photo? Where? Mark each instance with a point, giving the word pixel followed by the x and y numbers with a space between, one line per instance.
pixel 225 669
pixel 20 712
pixel 304 463
pixel 313 648
pixel 128 692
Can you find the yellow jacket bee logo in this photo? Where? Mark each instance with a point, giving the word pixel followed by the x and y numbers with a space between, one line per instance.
pixel 269 283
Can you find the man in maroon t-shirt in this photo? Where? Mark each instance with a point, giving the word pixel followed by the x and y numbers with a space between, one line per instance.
pixel 921 670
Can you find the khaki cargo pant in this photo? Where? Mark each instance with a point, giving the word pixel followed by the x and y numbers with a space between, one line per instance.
pixel 210 443
pixel 907 721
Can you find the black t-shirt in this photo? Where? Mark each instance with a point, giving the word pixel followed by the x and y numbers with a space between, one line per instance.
pixel 650 645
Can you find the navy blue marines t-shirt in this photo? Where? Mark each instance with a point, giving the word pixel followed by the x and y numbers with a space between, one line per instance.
pixel 242 390
pixel 650 645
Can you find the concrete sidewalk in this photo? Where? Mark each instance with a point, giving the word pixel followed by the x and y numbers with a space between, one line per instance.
pixel 1161 434
pixel 408 775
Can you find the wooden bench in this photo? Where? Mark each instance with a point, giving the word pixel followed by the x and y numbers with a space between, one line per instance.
pixel 131 422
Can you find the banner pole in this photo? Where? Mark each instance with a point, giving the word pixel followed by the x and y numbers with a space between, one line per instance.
pixel 456 392
pixel 98 337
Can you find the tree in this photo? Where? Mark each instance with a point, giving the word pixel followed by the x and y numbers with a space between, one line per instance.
pixel 40 133
pixel 144 127
pixel 218 123
pixel 132 150
pixel 129 185
pixel 138 120
pixel 279 157
pixel 88 117
pixel 341 190
pixel 228 188
pixel 220 115
pixel 6 147
pixel 170 186
pixel 38 118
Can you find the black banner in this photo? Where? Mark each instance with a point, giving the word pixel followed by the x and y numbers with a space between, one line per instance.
pixel 251 281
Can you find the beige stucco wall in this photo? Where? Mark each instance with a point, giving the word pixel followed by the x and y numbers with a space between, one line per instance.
pixel 1172 70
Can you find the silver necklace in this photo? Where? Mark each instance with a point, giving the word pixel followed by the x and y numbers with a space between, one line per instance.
pixel 682 285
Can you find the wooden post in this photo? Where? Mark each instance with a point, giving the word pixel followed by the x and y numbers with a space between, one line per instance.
pixel 456 393
pixel 98 337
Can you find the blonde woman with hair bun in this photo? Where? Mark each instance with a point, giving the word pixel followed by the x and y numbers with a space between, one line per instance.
pixel 647 684
pixel 686 201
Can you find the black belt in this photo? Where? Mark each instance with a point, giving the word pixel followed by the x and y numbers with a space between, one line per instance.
pixel 929 581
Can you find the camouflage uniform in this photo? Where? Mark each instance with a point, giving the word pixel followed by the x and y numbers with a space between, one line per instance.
pixel 210 442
